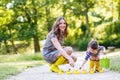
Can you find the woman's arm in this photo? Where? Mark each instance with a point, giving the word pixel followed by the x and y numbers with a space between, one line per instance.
pixel 62 51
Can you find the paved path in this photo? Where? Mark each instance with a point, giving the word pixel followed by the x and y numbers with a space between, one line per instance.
pixel 43 73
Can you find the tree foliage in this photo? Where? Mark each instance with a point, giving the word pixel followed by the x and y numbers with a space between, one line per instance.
pixel 31 20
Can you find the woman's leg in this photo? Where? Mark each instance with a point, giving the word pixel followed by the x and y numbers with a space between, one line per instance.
pixel 59 61
pixel 62 60
pixel 69 51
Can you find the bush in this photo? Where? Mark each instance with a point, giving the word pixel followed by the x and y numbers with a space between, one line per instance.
pixel 109 34
pixel 70 41
pixel 83 43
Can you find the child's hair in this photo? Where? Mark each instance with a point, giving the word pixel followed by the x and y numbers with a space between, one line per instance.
pixel 93 44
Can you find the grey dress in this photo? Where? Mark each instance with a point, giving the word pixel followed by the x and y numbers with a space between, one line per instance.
pixel 49 51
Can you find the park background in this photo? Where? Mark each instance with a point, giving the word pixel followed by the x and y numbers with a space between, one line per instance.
pixel 24 25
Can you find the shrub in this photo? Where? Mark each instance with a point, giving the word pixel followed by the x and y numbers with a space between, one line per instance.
pixel 109 34
pixel 70 41
pixel 82 43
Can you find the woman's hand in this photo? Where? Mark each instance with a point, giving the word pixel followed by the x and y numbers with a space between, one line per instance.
pixel 71 62
pixel 80 67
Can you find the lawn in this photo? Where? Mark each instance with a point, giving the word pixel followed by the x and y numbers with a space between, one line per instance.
pixel 115 61
pixel 14 64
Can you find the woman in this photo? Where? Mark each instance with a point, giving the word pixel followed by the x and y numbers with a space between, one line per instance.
pixel 53 51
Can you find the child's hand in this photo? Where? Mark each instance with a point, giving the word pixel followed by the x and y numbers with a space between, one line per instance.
pixel 104 53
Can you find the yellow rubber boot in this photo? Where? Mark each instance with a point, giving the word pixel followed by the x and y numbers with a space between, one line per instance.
pixel 65 61
pixel 92 64
pixel 54 67
pixel 97 66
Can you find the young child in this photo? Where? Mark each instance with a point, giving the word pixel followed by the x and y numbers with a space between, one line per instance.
pixel 93 53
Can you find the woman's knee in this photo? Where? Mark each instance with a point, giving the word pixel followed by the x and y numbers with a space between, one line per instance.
pixel 69 50
pixel 74 57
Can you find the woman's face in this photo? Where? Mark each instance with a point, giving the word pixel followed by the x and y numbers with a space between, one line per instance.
pixel 62 25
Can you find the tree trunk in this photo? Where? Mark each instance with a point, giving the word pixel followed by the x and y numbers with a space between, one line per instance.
pixel 48 19
pixel 13 45
pixel 14 48
pixel 6 46
pixel 36 44
pixel 86 15
pixel 33 25
pixel 36 39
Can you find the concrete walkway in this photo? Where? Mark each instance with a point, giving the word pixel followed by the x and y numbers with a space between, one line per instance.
pixel 43 73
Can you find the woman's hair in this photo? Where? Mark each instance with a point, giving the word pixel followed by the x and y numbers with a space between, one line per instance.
pixel 56 29
pixel 93 44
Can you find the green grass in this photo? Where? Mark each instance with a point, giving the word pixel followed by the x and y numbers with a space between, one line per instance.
pixel 14 64
pixel 20 57
pixel 7 70
pixel 115 62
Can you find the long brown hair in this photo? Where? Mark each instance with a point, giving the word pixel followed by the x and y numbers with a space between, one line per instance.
pixel 56 30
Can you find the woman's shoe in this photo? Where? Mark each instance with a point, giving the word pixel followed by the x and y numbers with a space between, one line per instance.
pixel 54 68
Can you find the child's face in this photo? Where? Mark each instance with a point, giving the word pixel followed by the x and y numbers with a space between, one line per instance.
pixel 93 50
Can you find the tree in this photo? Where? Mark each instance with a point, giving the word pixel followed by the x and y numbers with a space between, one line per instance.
pixel 6 36
pixel 86 15
pixel 28 10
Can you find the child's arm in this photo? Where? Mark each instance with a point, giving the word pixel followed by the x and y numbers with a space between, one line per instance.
pixel 83 64
pixel 103 50
pixel 86 58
